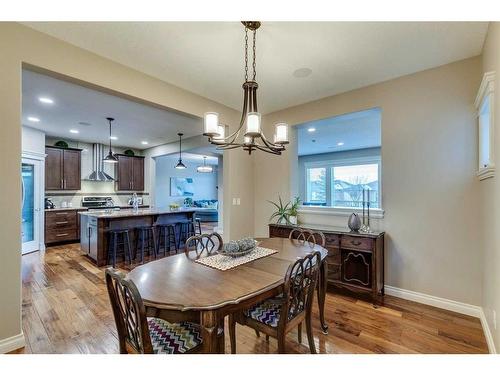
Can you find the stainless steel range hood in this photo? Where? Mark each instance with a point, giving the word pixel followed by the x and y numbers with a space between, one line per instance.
pixel 98 173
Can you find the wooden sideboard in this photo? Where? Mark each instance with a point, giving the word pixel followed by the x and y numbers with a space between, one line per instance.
pixel 355 260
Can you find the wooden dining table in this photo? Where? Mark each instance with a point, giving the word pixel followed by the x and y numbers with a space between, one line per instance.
pixel 176 288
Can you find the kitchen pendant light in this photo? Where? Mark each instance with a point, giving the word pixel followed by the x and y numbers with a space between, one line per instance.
pixel 205 168
pixel 180 164
pixel 110 158
pixel 249 135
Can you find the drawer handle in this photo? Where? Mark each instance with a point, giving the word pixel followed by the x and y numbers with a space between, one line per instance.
pixel 61 234
pixel 61 222
pixel 62 213
pixel 356 243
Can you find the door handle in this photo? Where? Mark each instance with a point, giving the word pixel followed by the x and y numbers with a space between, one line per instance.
pixel 61 222
pixel 61 234
pixel 62 183
pixel 356 243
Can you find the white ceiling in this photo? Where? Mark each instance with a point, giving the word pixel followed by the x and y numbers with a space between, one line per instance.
pixel 207 57
pixel 356 130
pixel 73 104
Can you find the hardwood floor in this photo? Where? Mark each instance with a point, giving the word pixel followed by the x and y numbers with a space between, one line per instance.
pixel 66 310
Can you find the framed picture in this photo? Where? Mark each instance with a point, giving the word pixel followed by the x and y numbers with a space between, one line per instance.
pixel 181 187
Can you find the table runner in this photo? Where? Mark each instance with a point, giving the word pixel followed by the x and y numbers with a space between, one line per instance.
pixel 225 262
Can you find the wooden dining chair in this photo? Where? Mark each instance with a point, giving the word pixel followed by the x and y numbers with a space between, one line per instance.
pixel 307 235
pixel 138 334
pixel 277 316
pixel 203 245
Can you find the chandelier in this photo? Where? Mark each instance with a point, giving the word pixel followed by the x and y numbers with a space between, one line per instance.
pixel 249 135
pixel 205 168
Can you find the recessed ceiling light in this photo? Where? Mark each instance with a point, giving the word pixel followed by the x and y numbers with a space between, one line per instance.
pixel 302 73
pixel 46 100
pixel 310 130
pixel 33 119
pixel 113 138
pixel 144 142
pixel 74 131
pixel 340 143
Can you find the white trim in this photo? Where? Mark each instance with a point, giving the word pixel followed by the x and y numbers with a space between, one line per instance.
pixel 487 172
pixel 34 155
pixel 375 213
pixel 12 343
pixel 487 333
pixel 487 87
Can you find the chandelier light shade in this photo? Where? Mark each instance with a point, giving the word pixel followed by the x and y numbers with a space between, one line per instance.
pixel 180 164
pixel 249 135
pixel 205 168
pixel 110 157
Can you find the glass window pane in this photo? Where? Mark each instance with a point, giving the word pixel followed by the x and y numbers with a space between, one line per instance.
pixel 349 181
pixel 316 186
pixel 28 206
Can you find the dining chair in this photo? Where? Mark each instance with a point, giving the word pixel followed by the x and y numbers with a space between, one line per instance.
pixel 277 316
pixel 307 235
pixel 203 245
pixel 139 334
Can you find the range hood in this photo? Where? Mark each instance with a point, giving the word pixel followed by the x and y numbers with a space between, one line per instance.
pixel 98 173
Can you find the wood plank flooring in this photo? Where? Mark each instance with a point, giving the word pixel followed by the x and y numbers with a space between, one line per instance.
pixel 66 310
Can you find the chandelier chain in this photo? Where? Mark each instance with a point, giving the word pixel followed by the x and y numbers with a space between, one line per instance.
pixel 254 49
pixel 246 54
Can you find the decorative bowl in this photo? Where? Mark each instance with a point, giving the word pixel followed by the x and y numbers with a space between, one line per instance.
pixel 238 248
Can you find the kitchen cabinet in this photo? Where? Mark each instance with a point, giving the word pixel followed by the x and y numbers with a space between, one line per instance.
pixel 62 168
pixel 129 173
pixel 62 225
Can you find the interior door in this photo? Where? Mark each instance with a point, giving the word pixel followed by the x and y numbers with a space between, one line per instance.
pixel 53 169
pixel 71 170
pixel 31 205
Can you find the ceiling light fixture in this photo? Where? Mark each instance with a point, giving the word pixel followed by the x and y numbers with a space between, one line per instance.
pixel 250 116
pixel 340 144
pixel 110 158
pixel 180 164
pixel 205 168
pixel 33 119
pixel 144 142
pixel 311 130
pixel 46 100
pixel 113 137
pixel 74 131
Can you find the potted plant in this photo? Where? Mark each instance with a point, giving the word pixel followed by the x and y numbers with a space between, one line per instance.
pixel 293 211
pixel 281 213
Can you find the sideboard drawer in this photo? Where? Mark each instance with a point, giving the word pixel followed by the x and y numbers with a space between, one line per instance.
pixel 332 240
pixel 57 235
pixel 354 242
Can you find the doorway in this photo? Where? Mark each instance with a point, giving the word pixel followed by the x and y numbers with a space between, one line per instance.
pixel 31 219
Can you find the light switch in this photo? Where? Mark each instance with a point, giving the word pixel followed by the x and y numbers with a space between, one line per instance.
pixel 234 201
pixel 237 201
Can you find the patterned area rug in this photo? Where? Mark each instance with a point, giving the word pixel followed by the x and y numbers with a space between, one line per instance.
pixel 224 262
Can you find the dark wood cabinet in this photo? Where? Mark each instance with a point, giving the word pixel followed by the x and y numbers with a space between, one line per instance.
pixel 62 225
pixel 62 168
pixel 355 260
pixel 129 173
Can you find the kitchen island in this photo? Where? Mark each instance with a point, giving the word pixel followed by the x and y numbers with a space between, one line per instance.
pixel 94 226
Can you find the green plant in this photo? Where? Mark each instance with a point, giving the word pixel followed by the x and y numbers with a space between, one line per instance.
pixel 282 211
pixel 294 207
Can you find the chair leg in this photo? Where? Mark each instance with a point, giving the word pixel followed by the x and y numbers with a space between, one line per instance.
pixel 267 338
pixel 142 246
pixel 281 343
pixel 175 240
pixel 153 234
pixel 115 240
pixel 129 252
pixel 232 333
pixel 299 332
pixel 310 337
pixel 257 333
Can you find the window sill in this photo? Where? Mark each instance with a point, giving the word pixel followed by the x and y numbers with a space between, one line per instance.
pixel 485 173
pixel 375 213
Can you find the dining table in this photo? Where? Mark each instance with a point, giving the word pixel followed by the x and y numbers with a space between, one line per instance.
pixel 177 288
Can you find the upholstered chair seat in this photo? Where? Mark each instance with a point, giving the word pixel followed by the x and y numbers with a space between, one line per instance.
pixel 173 338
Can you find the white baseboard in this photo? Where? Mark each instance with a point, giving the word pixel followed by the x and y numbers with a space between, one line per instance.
pixel 12 343
pixel 446 304
pixel 487 333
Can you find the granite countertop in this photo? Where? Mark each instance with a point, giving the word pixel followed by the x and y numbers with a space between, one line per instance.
pixel 332 229
pixel 111 214
pixel 66 209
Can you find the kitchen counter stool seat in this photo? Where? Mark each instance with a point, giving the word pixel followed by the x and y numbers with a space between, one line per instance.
pixel 167 233
pixel 119 241
pixel 186 229
pixel 145 240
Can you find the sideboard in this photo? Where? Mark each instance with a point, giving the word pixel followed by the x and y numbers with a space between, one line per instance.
pixel 355 260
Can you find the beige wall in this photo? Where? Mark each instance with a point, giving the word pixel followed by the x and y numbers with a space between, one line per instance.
pixel 19 45
pixel 430 192
pixel 490 197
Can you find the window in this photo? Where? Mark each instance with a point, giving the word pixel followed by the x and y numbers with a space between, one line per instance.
pixel 349 181
pixel 316 186
pixel 484 105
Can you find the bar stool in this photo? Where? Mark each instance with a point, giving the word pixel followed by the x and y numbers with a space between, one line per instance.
pixel 186 230
pixel 198 224
pixel 117 238
pixel 145 238
pixel 168 234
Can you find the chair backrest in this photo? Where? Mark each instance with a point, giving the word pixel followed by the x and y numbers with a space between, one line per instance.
pixel 307 235
pixel 300 282
pixel 203 244
pixel 129 313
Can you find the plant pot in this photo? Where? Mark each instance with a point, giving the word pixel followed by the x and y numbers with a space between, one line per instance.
pixel 292 220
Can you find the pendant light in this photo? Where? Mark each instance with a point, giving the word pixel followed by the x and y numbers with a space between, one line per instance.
pixel 110 158
pixel 180 164
pixel 205 168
